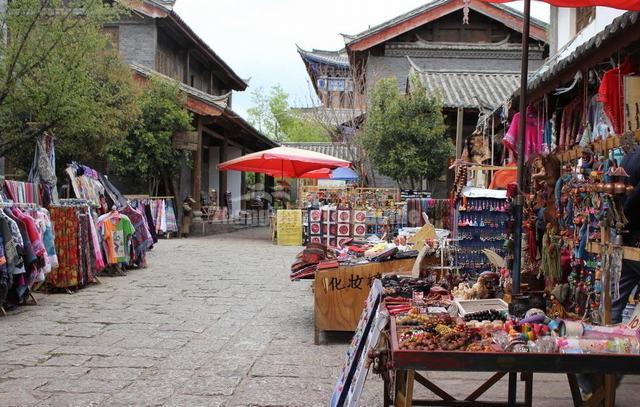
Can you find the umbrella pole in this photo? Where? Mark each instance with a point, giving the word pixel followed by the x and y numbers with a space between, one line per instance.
pixel 519 201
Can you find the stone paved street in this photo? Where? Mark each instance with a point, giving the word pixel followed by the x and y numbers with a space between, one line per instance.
pixel 212 322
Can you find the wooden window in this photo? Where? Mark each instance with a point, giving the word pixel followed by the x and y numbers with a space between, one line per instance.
pixel 584 16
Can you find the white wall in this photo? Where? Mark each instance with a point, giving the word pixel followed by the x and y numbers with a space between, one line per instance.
pixel 566 27
pixel 234 180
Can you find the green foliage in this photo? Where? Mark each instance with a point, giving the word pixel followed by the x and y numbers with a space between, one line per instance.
pixel 405 134
pixel 148 152
pixel 56 75
pixel 273 116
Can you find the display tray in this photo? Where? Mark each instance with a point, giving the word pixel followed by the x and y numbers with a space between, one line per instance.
pixel 468 306
pixel 510 361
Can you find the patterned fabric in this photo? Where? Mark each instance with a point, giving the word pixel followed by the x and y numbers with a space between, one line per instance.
pixel 170 214
pixel 23 192
pixel 67 229
pixel 141 239
pixel 4 273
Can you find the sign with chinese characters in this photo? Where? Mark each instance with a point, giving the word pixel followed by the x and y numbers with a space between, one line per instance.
pixel 289 223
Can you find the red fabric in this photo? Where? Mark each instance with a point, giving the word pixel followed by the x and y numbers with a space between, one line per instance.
pixel 633 5
pixel 612 95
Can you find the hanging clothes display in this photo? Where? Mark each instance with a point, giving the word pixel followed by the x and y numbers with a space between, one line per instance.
pixel 24 260
pixel 533 134
pixel 612 96
pixel 78 256
pixel 23 192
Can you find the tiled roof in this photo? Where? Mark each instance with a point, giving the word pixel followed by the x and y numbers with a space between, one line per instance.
pixel 561 61
pixel 218 101
pixel 342 151
pixel 476 90
pixel 337 58
pixel 330 116
pixel 425 8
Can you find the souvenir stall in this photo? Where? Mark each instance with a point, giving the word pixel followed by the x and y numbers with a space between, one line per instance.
pixel 581 221
pixel 334 216
pixel 343 276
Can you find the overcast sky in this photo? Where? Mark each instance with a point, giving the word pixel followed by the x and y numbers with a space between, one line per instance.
pixel 258 38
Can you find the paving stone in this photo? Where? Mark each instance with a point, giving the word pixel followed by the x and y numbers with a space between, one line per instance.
pixel 74 400
pixel 114 373
pixel 141 394
pixel 20 398
pixel 48 372
pixel 88 350
pixel 85 386
pixel 10 385
pixel 66 360
pixel 120 361
pixel 182 400
pixel 210 386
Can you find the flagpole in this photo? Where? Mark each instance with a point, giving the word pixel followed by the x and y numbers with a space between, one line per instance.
pixel 519 200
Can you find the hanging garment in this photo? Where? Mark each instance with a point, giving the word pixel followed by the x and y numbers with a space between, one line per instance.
pixel 600 124
pixel 170 214
pixel 150 222
pixel 5 278
pixel 116 230
pixel 99 263
pixel 67 230
pixel 141 240
pixel 612 95
pixel 43 167
pixel 533 135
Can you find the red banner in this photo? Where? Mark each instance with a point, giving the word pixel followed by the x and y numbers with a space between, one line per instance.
pixel 633 5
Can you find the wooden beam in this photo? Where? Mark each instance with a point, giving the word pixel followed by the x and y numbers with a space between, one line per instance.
pixel 459 130
pixel 223 174
pixel 197 168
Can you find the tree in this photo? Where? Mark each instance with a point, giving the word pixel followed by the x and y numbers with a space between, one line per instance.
pixel 405 134
pixel 56 74
pixel 147 152
pixel 273 116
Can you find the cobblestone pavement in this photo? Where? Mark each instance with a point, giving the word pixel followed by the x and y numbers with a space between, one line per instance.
pixel 212 322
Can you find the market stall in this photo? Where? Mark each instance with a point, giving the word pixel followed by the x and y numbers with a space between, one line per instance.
pixel 555 287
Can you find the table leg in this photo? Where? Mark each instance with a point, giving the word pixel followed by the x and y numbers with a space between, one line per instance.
pixel 610 382
pixel 404 388
pixel 513 389
pixel 528 389
pixel 575 390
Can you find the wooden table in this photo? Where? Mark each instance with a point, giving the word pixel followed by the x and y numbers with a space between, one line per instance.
pixel 406 363
pixel 340 293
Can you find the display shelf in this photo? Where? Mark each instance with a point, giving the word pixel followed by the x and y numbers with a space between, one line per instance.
pixel 598 146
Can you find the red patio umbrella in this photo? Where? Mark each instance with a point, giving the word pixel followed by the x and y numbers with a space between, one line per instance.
pixel 285 162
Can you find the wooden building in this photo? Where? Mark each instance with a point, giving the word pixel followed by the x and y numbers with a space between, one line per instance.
pixel 156 42
pixel 469 53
